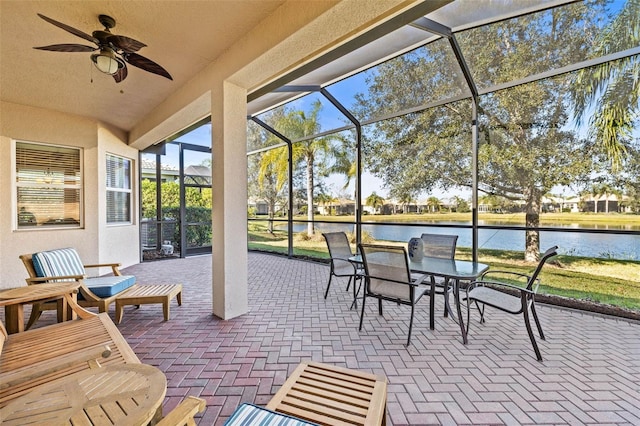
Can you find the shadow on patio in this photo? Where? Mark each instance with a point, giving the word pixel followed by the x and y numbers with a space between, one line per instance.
pixel 591 371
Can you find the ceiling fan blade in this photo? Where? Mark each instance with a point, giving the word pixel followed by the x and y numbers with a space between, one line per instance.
pixel 125 43
pixel 72 30
pixel 67 48
pixel 146 64
pixel 121 74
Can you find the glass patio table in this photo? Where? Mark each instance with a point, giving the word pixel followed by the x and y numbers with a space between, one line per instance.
pixel 453 271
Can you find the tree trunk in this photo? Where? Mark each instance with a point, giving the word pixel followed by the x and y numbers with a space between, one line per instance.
pixel 532 237
pixel 310 196
pixel 271 215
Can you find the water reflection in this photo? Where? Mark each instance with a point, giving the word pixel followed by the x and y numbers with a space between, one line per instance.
pixel 610 246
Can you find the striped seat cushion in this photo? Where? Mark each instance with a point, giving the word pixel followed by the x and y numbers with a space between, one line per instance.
pixel 57 263
pixel 66 261
pixel 253 415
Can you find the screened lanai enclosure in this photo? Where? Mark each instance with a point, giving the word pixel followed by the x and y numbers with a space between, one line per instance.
pixel 176 195
pixel 512 124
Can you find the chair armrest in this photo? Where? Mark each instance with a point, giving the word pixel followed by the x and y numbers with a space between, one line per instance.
pixel 184 412
pixel 32 371
pixel 114 267
pixel 420 280
pixel 343 261
pixel 41 280
pixel 412 283
pixel 500 284
pixel 518 274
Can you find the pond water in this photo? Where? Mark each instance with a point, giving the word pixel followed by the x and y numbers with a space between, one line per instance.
pixel 610 246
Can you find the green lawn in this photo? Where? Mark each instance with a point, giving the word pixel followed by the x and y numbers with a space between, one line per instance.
pixel 607 281
pixel 546 219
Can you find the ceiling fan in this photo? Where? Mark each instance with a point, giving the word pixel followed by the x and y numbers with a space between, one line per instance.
pixel 115 51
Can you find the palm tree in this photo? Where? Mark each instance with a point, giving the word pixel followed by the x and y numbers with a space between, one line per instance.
pixel 406 200
pixel 612 88
pixel 325 199
pixel 375 201
pixel 433 203
pixel 312 153
pixel 272 176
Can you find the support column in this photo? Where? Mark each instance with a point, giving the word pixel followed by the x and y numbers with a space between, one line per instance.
pixel 229 172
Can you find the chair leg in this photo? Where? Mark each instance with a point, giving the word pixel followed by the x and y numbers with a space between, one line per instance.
pixel 446 296
pixel 410 326
pixel 481 311
pixel 525 312
pixel 535 317
pixel 364 298
pixel 356 291
pixel 328 285
pixel 36 311
pixel 379 306
pixel 349 283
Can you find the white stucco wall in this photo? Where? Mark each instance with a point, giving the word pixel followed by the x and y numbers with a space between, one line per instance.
pixel 95 242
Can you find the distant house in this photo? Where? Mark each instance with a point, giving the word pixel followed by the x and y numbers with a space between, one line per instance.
pixel 261 206
pixel 604 203
pixel 168 173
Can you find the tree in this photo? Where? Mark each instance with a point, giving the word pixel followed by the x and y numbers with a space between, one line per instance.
pixel 406 200
pixel 433 204
pixel 374 200
pixel 325 199
pixel 629 179
pixel 312 154
pixel 526 147
pixel 462 205
pixel 308 156
pixel 613 88
pixel 148 195
pixel 268 170
pixel 272 179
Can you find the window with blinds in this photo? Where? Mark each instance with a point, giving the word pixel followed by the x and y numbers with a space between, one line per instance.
pixel 48 186
pixel 118 189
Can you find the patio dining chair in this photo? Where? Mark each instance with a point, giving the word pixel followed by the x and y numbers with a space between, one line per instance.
pixel 340 252
pixel 511 298
pixel 443 247
pixel 387 277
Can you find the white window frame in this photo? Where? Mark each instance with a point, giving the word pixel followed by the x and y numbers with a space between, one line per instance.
pixel 123 188
pixel 54 184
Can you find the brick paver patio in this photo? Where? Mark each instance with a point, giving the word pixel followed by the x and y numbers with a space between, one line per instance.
pixel 591 371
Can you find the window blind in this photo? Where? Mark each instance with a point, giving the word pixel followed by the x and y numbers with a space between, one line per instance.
pixel 118 189
pixel 48 185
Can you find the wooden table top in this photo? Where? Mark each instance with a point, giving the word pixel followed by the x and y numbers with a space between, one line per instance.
pixel 328 395
pixel 32 293
pixel 127 394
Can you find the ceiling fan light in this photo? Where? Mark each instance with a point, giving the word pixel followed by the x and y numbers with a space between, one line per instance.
pixel 107 62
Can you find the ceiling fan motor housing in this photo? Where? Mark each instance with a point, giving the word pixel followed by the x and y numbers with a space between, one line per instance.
pixel 107 21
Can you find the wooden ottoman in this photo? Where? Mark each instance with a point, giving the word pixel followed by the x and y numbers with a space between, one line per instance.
pixel 328 395
pixel 145 294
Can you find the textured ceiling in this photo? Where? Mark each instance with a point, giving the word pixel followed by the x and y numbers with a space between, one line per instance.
pixel 182 36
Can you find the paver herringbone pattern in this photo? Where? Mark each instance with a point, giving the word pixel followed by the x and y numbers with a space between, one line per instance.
pixel 590 373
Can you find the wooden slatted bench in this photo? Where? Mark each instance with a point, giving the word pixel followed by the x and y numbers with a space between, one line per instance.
pixel 38 359
pixel 145 294
pixel 39 356
pixel 329 395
